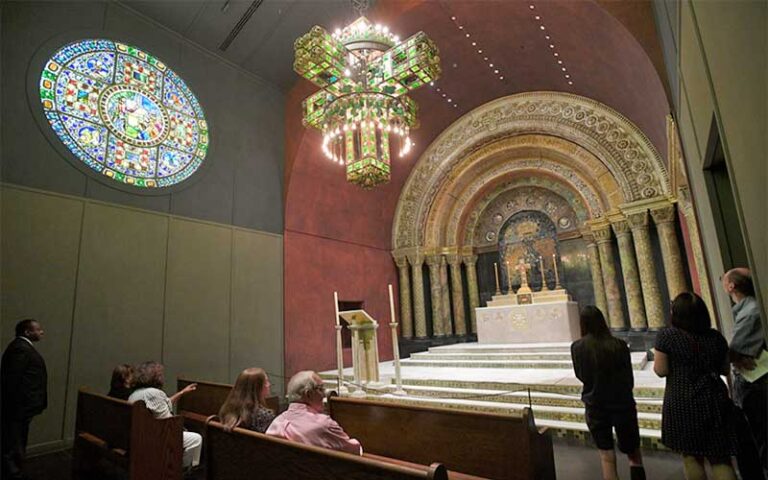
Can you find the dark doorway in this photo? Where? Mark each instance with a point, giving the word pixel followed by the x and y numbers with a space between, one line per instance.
pixel 723 202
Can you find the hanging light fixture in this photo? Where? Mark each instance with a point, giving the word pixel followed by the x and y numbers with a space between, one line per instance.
pixel 364 72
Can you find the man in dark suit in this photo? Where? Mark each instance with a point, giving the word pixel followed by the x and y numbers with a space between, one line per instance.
pixel 23 380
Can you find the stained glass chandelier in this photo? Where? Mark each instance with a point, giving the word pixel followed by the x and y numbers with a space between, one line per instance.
pixel 364 72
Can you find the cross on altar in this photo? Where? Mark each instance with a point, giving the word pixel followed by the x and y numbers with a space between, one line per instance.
pixel 523 268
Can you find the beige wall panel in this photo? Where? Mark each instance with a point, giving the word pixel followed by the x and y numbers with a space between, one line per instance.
pixel 733 36
pixel 695 80
pixel 40 239
pixel 197 307
pixel 119 308
pixel 257 304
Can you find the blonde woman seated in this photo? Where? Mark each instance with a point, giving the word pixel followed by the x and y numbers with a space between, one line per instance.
pixel 245 406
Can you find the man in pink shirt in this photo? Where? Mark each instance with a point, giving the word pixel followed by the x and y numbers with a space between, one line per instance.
pixel 305 422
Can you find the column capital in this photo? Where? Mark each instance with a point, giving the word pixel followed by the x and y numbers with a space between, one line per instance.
pixel 638 220
pixel 434 260
pixel 469 259
pixel 454 260
pixel 601 232
pixel 400 260
pixel 664 214
pixel 620 228
pixel 415 259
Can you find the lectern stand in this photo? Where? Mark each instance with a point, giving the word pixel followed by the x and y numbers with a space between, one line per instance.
pixel 365 350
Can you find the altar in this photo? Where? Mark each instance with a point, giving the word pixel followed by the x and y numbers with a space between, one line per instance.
pixel 550 322
pixel 525 316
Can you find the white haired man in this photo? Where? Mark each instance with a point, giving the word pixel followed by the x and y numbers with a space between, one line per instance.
pixel 305 422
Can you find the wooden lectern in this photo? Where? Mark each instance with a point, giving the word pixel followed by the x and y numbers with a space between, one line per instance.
pixel 365 350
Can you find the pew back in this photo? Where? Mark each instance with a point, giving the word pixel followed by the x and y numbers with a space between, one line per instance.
pixel 475 443
pixel 239 454
pixel 128 436
pixel 207 399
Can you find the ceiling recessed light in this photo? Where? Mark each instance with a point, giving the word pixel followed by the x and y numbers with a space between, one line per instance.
pixel 546 37
pixel 461 28
pixel 431 84
pixel 570 83
pixel 556 54
pixel 551 46
pixel 474 44
pixel 479 51
pixel 485 58
pixel 438 89
pixel 449 100
pixel 559 62
pixel 496 72
pixel 563 69
pixel 542 27
pixel 454 106
pixel 531 7
pixel 567 76
pixel 453 18
pixel 501 77
pixel 444 95
pixel 490 65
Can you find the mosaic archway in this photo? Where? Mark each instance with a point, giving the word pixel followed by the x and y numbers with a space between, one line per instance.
pixel 621 148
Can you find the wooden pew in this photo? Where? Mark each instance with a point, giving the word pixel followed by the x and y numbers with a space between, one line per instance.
pixel 127 436
pixel 197 406
pixel 245 455
pixel 483 444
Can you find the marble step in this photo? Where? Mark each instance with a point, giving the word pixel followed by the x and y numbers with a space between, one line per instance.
pixel 560 347
pixel 514 396
pixel 492 356
pixel 638 363
pixel 649 422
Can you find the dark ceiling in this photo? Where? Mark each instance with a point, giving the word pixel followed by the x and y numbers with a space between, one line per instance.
pixel 608 49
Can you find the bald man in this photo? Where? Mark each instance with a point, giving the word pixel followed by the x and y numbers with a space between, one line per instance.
pixel 747 343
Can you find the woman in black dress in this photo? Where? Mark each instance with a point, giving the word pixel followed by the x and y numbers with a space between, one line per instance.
pixel 696 416
pixel 602 362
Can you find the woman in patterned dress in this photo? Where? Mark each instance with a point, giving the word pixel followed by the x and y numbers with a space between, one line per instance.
pixel 696 416
pixel 245 406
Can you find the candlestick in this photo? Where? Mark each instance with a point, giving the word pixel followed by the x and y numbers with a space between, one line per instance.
pixel 496 271
pixel 339 353
pixel 395 346
pixel 544 285
pixel 557 276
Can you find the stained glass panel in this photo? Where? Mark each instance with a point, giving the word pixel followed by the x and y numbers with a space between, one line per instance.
pixel 124 113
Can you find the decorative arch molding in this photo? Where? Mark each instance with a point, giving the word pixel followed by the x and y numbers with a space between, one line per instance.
pixel 626 152
pixel 588 195
pixel 466 233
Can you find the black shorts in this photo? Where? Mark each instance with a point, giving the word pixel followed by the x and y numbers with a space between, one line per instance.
pixel 601 423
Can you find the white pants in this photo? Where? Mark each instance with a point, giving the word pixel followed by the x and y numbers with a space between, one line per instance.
pixel 192 443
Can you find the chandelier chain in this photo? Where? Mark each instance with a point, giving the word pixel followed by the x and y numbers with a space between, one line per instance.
pixel 360 6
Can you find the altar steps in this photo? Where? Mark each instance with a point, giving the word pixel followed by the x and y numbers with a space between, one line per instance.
pixel 505 378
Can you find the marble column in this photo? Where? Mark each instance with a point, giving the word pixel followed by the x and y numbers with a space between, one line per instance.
pixel 608 267
pixel 634 293
pixel 597 274
pixel 457 291
pixel 419 313
pixel 470 262
pixel 654 311
pixel 664 218
pixel 406 321
pixel 433 262
pixel 445 294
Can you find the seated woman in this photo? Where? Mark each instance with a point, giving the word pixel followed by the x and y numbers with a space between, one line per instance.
pixel 122 380
pixel 245 406
pixel 148 384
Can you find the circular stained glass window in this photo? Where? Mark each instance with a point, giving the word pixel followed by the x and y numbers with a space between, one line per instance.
pixel 124 113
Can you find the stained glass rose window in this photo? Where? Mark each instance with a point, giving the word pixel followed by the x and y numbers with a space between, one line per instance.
pixel 124 113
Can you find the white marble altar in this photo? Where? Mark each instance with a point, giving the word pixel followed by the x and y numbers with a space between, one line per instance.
pixel 534 323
